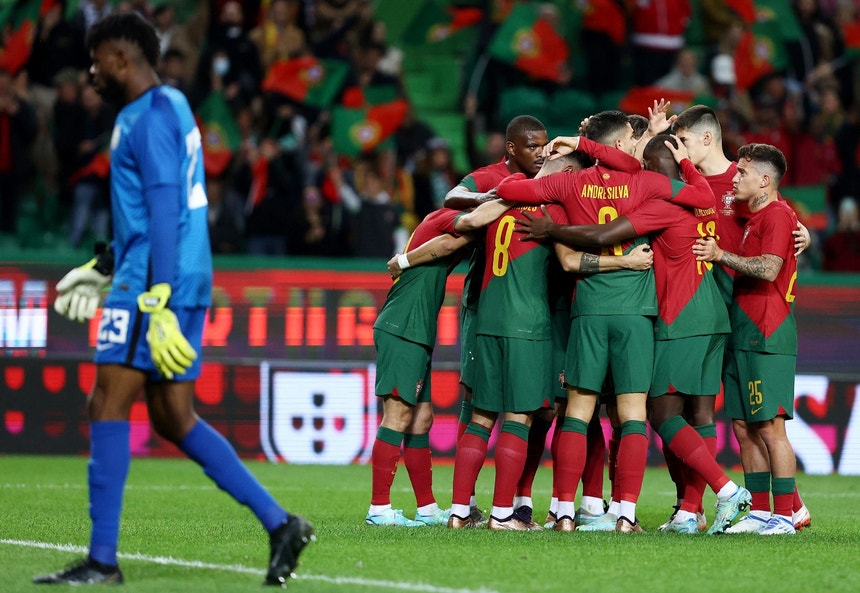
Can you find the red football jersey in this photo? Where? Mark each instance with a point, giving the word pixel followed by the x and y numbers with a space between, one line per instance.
pixel 762 316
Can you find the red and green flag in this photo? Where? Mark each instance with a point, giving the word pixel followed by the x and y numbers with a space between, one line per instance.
pixel 21 16
pixel 745 9
pixel 777 11
pixel 358 97
pixel 639 98
pixel 759 52
pixel 359 130
pixel 221 137
pixel 307 80
pixel 434 23
pixel 99 166
pixel 851 37
pixel 530 42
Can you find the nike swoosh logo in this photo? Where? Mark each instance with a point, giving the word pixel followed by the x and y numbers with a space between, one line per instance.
pixel 104 346
pixel 755 410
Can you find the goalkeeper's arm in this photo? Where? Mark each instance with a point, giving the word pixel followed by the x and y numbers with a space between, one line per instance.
pixel 171 353
pixel 79 291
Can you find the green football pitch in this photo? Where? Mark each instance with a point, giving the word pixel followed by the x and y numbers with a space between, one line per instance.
pixel 181 534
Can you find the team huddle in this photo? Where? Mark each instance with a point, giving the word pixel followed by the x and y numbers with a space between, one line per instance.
pixel 625 267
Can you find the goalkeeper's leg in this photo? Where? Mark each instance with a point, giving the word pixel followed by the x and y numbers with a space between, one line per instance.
pixel 172 415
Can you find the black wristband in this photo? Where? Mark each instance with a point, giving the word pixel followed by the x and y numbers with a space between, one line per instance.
pixel 104 258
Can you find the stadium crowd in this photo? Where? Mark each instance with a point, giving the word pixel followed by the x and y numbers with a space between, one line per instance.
pixel 290 187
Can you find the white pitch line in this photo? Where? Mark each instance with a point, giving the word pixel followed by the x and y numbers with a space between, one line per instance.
pixel 238 568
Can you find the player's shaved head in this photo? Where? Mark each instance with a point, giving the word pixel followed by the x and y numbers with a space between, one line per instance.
pixel 658 158
pixel 522 125
pixel 129 27
pixel 765 158
pixel 699 119
pixel 607 126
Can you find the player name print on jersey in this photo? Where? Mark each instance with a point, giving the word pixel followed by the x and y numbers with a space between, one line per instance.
pixel 320 417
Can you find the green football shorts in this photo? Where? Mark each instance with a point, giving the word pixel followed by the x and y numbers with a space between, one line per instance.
pixel 691 366
pixel 622 343
pixel 759 386
pixel 468 345
pixel 402 368
pixel 512 375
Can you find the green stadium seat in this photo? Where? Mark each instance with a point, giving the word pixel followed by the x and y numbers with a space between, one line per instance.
pixel 569 107
pixel 523 101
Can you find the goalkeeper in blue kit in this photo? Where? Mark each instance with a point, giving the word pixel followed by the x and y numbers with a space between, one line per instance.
pixel 159 270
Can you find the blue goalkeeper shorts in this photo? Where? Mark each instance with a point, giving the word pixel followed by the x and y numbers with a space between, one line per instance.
pixel 122 339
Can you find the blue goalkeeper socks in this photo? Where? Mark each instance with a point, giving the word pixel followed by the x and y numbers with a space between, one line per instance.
pixel 219 461
pixel 110 456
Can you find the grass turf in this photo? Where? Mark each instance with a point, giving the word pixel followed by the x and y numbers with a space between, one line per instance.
pixel 180 533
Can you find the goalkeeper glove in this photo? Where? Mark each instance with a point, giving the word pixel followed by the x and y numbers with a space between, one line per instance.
pixel 171 352
pixel 79 291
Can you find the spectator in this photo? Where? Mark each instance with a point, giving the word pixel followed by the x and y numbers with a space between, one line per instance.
pixel 813 57
pixel 685 75
pixel 164 20
pixel 90 182
pixel 18 129
pixel 334 21
pixel 842 248
pixel 375 219
pixel 434 177
pixel 277 37
pixel 89 12
pixel 66 116
pixel 658 36
pixel 410 139
pixel 231 59
pixel 172 70
pixel 57 46
pixel 226 216
pixel 816 160
pixel 604 33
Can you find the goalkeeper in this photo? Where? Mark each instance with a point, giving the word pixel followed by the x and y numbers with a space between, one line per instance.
pixel 149 337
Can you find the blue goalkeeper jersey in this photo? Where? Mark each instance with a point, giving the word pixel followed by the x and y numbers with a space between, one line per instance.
pixel 156 144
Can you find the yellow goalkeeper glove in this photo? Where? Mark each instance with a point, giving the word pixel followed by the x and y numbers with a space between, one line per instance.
pixel 171 352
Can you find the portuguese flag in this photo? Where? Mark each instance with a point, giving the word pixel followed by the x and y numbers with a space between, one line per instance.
pixel 745 9
pixel 307 80
pixel 221 136
pixel 851 36
pixel 359 130
pixel 760 52
pixel 776 11
pixel 99 166
pixel 531 43
pixel 433 23
pixel 357 97
pixel 639 98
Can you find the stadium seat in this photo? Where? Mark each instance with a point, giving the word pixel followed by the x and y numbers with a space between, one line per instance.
pixel 569 107
pixel 523 100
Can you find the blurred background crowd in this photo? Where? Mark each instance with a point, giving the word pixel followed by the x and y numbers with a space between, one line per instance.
pixel 331 127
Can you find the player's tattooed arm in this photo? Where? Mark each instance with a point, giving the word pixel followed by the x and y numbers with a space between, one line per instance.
pixel 763 267
pixel 590 263
pixel 640 258
pixel 432 250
